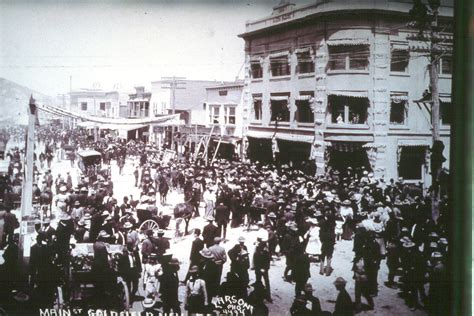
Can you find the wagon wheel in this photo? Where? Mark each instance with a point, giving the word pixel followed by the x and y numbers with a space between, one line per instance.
pixel 149 224
pixel 58 298
pixel 123 295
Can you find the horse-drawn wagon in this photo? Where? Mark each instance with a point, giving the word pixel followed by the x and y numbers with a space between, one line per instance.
pixel 82 288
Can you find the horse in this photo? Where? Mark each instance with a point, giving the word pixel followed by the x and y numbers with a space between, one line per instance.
pixel 183 211
pixel 163 189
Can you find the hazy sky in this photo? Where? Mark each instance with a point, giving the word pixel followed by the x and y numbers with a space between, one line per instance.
pixel 43 43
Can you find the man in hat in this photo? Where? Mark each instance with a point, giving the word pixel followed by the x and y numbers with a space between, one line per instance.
pixel 161 243
pixel 299 306
pixel 220 256
pixel 222 218
pixel 63 234
pixel 261 265
pixel 301 269
pixel 240 262
pixel 148 245
pixel 41 268
pixel 77 212
pixel 196 247
pixel 209 273
pixel 169 284
pixel 290 244
pixel 344 305
pixel 10 223
pixel 312 301
pixel 80 232
pixel 130 267
pixel 209 232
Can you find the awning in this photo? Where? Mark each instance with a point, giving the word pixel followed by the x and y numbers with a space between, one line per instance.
pixel 295 137
pixel 348 41
pixel 346 93
pixel 222 103
pixel 128 127
pixel 350 138
pixel 399 46
pixel 346 146
pixel 87 124
pixel 255 59
pixel 279 55
pixel 399 96
pixel 260 134
pixel 445 99
pixel 279 98
pixel 370 145
pixel 413 143
pixel 304 98
pixel 303 50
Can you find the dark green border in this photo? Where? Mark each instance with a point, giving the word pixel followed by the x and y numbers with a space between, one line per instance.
pixel 461 163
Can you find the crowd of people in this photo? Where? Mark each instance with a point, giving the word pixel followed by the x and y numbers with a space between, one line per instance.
pixel 295 216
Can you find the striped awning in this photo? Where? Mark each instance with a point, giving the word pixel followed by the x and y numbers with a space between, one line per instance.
pixel 445 99
pixel 348 41
pixel 295 137
pixel 279 55
pixel 413 143
pixel 303 50
pixel 346 93
pixel 304 98
pixel 279 98
pixel 370 145
pixel 399 46
pixel 346 146
pixel 399 96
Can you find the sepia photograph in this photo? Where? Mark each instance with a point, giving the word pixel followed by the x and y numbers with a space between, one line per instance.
pixel 276 157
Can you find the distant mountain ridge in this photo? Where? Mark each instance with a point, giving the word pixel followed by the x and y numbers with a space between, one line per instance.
pixel 14 100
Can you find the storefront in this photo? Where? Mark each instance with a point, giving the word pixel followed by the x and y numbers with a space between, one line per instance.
pixel 296 155
pixel 260 149
pixel 340 155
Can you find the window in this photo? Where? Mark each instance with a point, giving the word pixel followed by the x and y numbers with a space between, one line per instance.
pixel 445 113
pixel 223 92
pixel 257 108
pixel 412 160
pixel 304 113
pixel 229 114
pixel 214 113
pixel 280 66
pixel 446 65
pixel 348 110
pixel 399 60
pixel 256 70
pixel 305 63
pixel 102 106
pixel 83 106
pixel 344 57
pixel 398 109
pixel 279 108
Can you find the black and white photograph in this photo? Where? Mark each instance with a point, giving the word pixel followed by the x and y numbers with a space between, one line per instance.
pixel 238 157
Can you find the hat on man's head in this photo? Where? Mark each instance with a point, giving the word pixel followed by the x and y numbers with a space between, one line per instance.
pixel 206 253
pixel 217 240
pixel 193 269
pixel 340 281
pixel 127 225
pixel 63 188
pixel 210 218
pixel 77 203
pixel 148 302
pixel 241 239
pixel 103 234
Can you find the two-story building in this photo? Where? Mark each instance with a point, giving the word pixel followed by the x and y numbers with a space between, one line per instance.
pixel 338 83
pixel 223 110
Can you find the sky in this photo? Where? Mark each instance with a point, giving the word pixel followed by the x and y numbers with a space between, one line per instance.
pixel 122 44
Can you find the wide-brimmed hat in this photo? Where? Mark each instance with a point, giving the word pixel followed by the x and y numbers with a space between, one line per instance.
pixel 217 240
pixel 409 244
pixel 105 213
pixel 63 188
pixel 84 189
pixel 127 225
pixel 312 220
pixel 193 269
pixel 87 216
pixel 272 215
pixel 103 234
pixel 340 281
pixel 346 203
pixel 174 262
pixel 206 253
pixel 148 302
pixel 241 239
pixel 21 297
pixel 81 223
pixel 210 218
pixel 77 203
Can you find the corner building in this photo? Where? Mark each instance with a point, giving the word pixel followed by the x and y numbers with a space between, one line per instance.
pixel 344 83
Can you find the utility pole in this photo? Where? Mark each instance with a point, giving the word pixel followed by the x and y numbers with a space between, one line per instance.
pixel 173 84
pixel 426 22
pixel 27 190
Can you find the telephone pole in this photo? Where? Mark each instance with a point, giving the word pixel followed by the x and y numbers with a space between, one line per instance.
pixel 426 22
pixel 173 84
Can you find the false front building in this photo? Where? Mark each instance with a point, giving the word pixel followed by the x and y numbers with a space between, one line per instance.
pixel 339 84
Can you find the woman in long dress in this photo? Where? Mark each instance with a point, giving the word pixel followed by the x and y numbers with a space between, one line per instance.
pixel 313 247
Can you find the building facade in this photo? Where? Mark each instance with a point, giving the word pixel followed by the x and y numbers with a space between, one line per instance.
pixel 340 83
